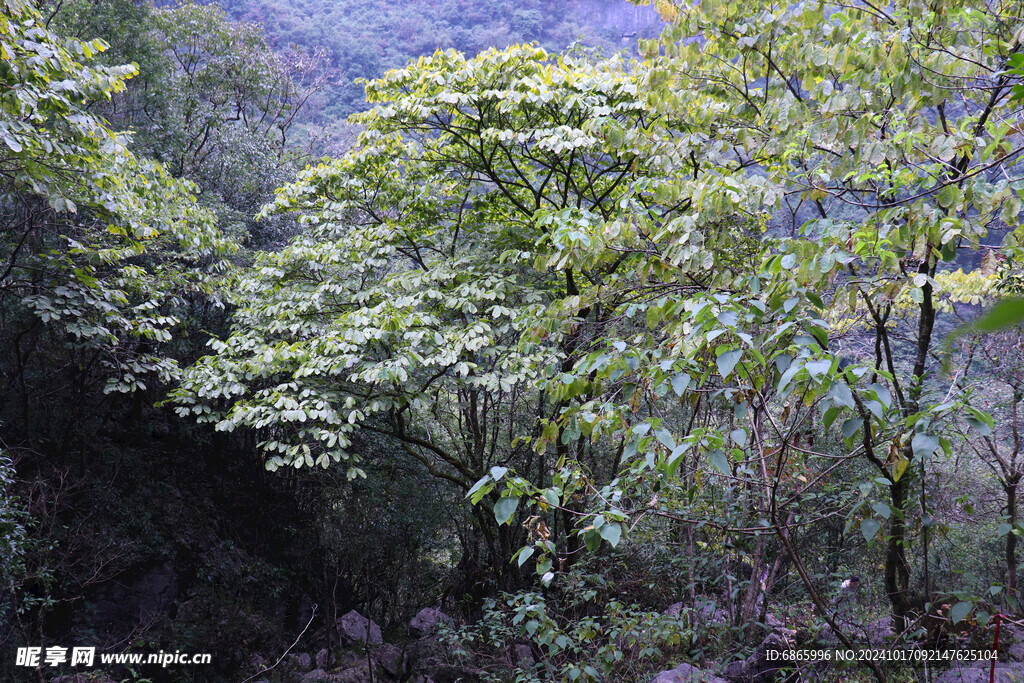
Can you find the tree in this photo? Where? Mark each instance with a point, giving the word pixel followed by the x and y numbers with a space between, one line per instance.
pixel 403 307
pixel 688 362
pixel 212 101
pixel 98 245
pixel 896 154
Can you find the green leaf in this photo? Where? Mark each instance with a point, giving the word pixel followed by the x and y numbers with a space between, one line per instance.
pixel 1005 314
pixel 842 395
pixel 498 472
pixel 818 368
pixel 869 527
pixel 505 508
pixel 829 417
pixel 728 360
pixel 592 540
pixel 524 555
pixel 477 486
pixel 611 533
pixel 948 196
pixel 924 444
pixel 983 428
pixel 960 611
pixel 719 461
pixel 680 382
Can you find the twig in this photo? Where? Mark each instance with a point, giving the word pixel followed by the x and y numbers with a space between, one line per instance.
pixel 285 654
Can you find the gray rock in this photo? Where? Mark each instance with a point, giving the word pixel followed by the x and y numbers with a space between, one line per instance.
pixel 323 659
pixel 877 631
pixel 734 670
pixel 674 610
pixel 757 668
pixel 687 673
pixel 423 653
pixel 427 620
pixel 301 661
pixel 1013 636
pixel 707 611
pixel 389 657
pixel 522 655
pixel 355 628
pixel 356 674
pixel 979 672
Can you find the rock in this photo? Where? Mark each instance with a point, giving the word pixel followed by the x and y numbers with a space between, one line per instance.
pixel 707 613
pixel 979 672
pixel 423 652
pixel 734 671
pixel 301 661
pixel 877 631
pixel 687 673
pixel 674 610
pixel 1013 636
pixel 355 628
pixel 389 657
pixel 427 620
pixel 356 674
pixel 757 668
pixel 773 622
pixel 323 659
pixel 522 656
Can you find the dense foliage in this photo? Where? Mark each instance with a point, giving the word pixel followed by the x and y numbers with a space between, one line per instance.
pixel 561 341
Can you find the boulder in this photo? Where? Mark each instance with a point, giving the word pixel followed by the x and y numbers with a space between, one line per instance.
pixel 257 662
pixel 427 620
pixel 686 673
pixel 757 668
pixel 355 628
pixel 522 656
pixel 388 657
pixel 324 660
pixel 674 610
pixel 301 661
pixel 355 674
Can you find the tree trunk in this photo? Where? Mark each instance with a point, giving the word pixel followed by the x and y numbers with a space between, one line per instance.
pixel 1011 538
pixel 897 570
